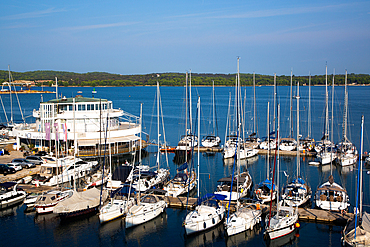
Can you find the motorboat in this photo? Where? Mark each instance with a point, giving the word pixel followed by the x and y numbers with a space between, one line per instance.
pixel 45 203
pixel 9 195
pixel 63 170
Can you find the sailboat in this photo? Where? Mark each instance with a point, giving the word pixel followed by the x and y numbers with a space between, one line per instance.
pixel 212 140
pixel 297 192
pixel 264 188
pixel 347 151
pixel 146 208
pixel 208 212
pixel 246 151
pixel 285 219
pixel 326 154
pixel 330 195
pixel 188 141
pixel 357 230
pixel 244 218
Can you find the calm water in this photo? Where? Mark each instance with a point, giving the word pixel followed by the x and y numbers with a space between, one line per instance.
pixel 26 228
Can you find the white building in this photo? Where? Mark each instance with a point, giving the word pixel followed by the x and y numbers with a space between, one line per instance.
pixel 57 120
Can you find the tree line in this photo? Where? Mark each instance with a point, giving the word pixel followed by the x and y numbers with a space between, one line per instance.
pixel 95 79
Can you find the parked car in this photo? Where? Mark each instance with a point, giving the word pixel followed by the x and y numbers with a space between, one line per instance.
pixel 17 167
pixel 41 153
pixel 5 169
pixel 35 159
pixel 24 163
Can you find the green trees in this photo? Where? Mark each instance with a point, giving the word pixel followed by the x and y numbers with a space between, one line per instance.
pixel 95 79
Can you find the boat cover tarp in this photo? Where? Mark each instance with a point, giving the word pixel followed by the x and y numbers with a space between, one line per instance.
pixel 228 179
pixel 183 167
pixel 366 221
pixel 80 201
pixel 266 183
pixel 121 173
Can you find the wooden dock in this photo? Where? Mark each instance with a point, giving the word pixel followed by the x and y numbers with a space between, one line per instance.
pixel 323 216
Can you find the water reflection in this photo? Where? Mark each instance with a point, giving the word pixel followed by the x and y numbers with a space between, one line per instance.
pixel 207 237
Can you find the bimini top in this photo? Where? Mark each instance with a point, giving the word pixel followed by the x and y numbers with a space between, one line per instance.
pixel 266 183
pixel 78 99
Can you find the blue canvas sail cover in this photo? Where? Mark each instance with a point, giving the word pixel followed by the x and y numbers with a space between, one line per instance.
pixel 183 167
pixel 211 199
pixel 266 183
pixel 299 180
pixel 121 173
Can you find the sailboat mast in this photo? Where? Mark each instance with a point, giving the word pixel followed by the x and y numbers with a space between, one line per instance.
pixel 198 145
pixel 239 129
pixel 10 96
pixel 309 106
pixel 158 151
pixel 291 104
pixel 190 108
pixel 362 144
pixel 345 112
pixel 254 103
pixel 298 158
pixel 274 120
pixel 326 133
pixel 278 165
pixel 332 121
pixel 213 109
pixel 186 117
pixel 268 140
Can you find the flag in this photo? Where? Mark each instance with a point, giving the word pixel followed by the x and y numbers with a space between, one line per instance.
pixel 56 132
pixel 47 131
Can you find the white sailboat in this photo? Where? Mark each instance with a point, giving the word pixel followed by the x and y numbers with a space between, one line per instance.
pixel 347 150
pixel 326 155
pixel 146 208
pixel 208 212
pixel 357 230
pixel 285 219
pixel 264 188
pixel 330 195
pixel 244 218
pixel 212 140
pixel 297 192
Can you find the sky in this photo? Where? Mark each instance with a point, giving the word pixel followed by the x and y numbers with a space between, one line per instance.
pixel 141 37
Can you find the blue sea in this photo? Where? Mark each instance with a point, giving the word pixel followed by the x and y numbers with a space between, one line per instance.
pixel 20 228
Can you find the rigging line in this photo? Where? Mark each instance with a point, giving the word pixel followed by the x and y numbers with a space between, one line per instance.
pixel 6 117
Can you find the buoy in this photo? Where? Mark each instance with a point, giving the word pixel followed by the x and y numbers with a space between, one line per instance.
pixel 297 225
pixel 258 206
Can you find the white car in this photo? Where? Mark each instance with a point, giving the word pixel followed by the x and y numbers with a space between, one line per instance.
pixel 17 167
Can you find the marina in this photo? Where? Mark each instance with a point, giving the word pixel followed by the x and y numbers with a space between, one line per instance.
pixel 325 225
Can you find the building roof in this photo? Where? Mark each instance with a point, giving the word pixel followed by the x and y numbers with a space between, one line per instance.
pixel 78 99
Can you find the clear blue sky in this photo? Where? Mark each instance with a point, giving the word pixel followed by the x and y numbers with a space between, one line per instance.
pixel 140 37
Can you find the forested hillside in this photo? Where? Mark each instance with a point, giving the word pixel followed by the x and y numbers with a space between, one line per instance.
pixel 168 79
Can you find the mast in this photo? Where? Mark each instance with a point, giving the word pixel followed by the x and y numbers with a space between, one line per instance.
pixel 213 109
pixel 291 104
pixel 158 152
pixel 186 118
pixel 56 88
pixel 298 158
pixel 190 108
pixel 268 140
pixel 309 106
pixel 198 139
pixel 359 181
pixel 239 127
pixel 74 142
pixel 10 96
pixel 274 121
pixel 254 103
pixel 345 111
pixel 278 165
pixel 332 124
pixel 326 128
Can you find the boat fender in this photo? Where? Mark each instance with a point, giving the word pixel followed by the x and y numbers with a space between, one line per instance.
pixel 297 225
